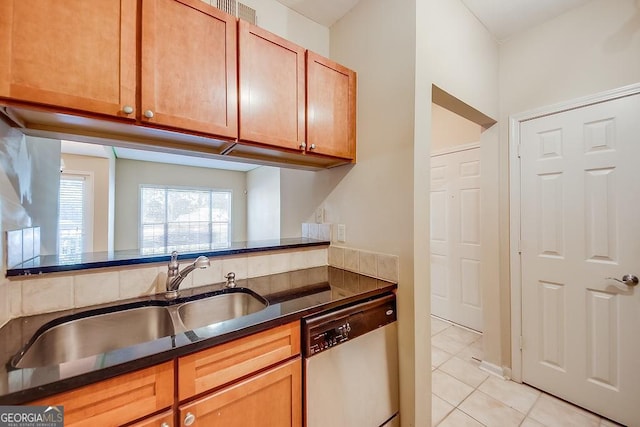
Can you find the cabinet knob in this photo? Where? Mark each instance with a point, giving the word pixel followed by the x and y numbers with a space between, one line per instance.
pixel 127 109
pixel 189 419
pixel 165 425
pixel 312 146
pixel 303 146
pixel 148 114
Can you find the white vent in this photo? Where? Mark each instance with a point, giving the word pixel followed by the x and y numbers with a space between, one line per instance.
pixel 237 9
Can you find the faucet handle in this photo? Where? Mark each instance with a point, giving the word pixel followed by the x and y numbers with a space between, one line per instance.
pixel 173 264
pixel 231 280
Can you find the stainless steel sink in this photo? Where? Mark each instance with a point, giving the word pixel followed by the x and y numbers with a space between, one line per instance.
pixel 97 334
pixel 101 333
pixel 203 312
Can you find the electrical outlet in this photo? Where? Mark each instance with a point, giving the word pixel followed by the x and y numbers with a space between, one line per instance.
pixel 342 233
pixel 320 215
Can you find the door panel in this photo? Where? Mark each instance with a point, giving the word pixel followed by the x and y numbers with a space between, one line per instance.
pixel 272 88
pixel 188 77
pixel 456 199
pixel 49 55
pixel 579 226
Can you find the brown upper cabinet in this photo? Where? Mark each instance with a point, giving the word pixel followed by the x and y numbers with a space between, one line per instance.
pixel 187 74
pixel 331 108
pixel 188 71
pixel 75 54
pixel 271 88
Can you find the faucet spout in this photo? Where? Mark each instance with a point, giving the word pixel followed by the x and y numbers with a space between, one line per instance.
pixel 176 276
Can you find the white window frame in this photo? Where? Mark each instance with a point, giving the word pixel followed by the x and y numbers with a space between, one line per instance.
pixel 183 188
pixel 87 204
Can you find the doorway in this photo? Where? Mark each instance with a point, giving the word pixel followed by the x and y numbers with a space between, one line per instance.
pixel 456 199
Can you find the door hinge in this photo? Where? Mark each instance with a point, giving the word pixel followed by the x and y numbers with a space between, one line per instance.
pixel 521 344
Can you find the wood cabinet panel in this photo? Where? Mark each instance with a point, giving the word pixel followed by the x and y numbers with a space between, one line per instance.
pixel 272 398
pixel 331 108
pixel 119 400
pixel 75 54
pixel 222 364
pixel 165 419
pixel 271 88
pixel 189 67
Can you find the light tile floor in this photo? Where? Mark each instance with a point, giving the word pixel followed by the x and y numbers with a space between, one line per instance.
pixel 464 395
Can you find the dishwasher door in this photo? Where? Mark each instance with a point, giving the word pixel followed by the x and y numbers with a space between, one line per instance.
pixel 354 383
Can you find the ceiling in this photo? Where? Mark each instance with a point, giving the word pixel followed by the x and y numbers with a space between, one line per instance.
pixel 503 18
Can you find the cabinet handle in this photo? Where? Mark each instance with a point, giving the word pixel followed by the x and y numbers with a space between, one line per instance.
pixel 148 114
pixel 303 146
pixel 165 425
pixel 312 147
pixel 127 109
pixel 189 419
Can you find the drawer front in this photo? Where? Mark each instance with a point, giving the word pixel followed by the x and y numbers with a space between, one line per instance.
pixel 164 419
pixel 119 400
pixel 223 364
pixel 272 398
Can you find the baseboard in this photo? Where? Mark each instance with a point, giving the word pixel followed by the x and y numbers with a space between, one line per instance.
pixel 495 370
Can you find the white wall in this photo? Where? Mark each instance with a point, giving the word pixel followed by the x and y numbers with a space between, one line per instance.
pixel 590 49
pixel 130 174
pixel 279 19
pixel 263 203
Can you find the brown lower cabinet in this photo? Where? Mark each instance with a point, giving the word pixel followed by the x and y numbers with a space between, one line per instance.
pixel 252 381
pixel 272 398
pixel 118 400
pixel 164 419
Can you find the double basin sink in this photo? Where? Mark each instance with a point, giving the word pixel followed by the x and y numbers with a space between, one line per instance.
pixel 95 332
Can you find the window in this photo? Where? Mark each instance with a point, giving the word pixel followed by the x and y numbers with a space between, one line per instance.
pixel 75 220
pixel 184 219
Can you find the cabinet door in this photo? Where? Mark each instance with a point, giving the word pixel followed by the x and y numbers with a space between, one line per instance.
pixel 118 400
pixel 272 88
pixel 74 54
pixel 331 108
pixel 188 77
pixel 272 398
pixel 164 419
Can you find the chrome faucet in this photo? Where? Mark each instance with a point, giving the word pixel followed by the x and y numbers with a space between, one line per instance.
pixel 175 277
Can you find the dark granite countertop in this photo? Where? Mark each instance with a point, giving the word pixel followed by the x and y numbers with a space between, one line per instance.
pixel 57 263
pixel 291 296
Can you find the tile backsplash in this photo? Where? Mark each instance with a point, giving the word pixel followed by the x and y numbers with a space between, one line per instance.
pixel 380 266
pixel 27 295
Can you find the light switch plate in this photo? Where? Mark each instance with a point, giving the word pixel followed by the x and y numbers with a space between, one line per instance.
pixel 342 233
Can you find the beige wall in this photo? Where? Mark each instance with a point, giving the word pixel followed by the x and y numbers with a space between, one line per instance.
pixel 263 203
pixel 456 53
pixel 590 49
pixel 449 130
pixel 130 174
pixel 375 197
pixel 99 167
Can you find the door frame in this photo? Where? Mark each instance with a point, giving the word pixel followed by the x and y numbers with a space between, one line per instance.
pixel 515 262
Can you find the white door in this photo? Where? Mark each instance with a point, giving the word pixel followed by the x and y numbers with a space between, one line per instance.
pixel 455 237
pixel 580 224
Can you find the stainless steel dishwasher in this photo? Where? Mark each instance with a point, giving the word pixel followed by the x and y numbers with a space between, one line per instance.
pixel 351 366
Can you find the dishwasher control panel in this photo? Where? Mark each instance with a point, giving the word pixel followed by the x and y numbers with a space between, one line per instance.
pixel 330 329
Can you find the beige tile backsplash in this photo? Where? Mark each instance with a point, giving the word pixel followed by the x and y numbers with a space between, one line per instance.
pixel 61 291
pixel 381 266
